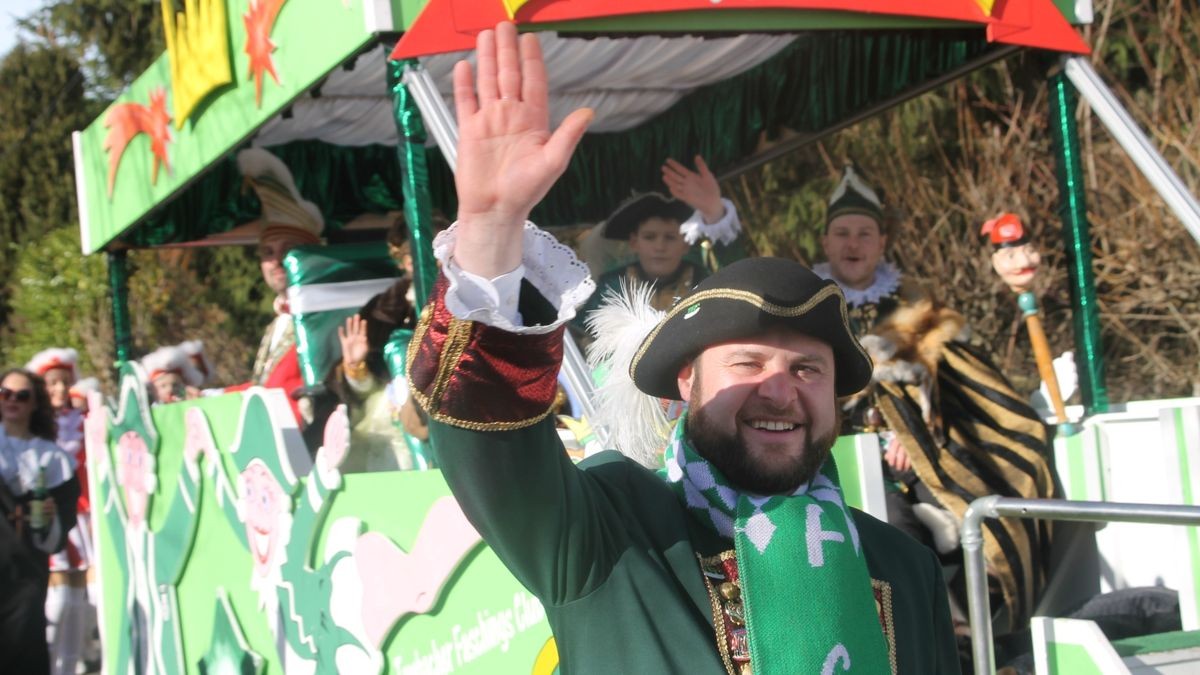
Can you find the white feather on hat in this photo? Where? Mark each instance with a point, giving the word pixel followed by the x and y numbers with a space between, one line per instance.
pixel 636 421
pixel 283 208
pixel 851 181
pixel 84 387
pixel 55 357
pixel 195 351
pixel 171 360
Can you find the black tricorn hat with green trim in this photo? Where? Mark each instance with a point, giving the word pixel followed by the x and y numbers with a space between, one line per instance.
pixel 741 301
pixel 853 196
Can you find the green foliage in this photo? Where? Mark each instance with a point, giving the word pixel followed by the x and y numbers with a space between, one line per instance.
pixel 41 105
pixel 60 299
pixel 114 40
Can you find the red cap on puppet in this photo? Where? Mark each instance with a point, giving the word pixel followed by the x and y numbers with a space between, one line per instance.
pixel 1004 230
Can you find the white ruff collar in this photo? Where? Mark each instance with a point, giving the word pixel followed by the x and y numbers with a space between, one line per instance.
pixel 887 280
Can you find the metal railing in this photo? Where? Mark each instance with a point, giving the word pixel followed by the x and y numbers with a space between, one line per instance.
pixel 979 608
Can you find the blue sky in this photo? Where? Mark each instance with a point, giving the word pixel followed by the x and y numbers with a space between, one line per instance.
pixel 10 10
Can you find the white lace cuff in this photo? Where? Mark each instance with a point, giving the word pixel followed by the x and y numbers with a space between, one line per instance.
pixel 551 267
pixel 722 232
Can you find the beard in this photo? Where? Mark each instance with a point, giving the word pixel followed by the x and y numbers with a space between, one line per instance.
pixel 727 452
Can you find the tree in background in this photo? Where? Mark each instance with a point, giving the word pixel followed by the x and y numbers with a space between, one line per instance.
pixel 73 58
pixel 947 161
pixel 42 103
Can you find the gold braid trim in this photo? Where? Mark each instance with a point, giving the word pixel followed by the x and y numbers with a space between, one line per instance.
pixel 755 300
pixel 443 418
pixel 887 618
pixel 458 337
pixel 414 344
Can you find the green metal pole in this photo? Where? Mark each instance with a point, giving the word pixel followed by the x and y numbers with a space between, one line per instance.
pixel 418 213
pixel 1072 208
pixel 414 173
pixel 118 283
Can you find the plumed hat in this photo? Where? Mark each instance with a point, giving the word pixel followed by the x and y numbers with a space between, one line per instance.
pixel 171 360
pixel 83 387
pixel 55 357
pixel 636 210
pixel 853 196
pixel 1005 230
pixel 195 351
pixel 741 301
pixel 284 211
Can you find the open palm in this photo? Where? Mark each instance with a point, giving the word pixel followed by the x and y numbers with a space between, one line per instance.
pixel 507 156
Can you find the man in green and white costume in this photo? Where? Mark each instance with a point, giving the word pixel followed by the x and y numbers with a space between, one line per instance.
pixel 741 557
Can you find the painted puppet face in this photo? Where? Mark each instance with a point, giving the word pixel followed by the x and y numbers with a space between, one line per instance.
pixel 764 410
pixel 263 501
pixel 658 246
pixel 854 245
pixel 135 472
pixel 1017 265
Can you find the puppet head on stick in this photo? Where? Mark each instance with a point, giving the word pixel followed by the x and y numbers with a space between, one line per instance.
pixel 1014 257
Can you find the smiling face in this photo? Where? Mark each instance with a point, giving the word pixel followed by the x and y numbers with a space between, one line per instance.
pixel 854 245
pixel 658 246
pixel 58 385
pixel 263 500
pixel 271 251
pixel 763 411
pixel 1017 266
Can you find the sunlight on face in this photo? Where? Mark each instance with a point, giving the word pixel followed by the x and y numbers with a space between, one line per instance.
pixel 854 245
pixel 764 410
pixel 271 251
pixel 58 385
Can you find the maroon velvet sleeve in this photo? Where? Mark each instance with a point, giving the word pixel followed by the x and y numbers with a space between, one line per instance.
pixel 475 376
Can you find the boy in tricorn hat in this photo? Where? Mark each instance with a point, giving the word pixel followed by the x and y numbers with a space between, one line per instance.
pixel 660 230
pixel 741 555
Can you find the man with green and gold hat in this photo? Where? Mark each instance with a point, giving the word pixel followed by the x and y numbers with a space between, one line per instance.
pixel 739 555
pixel 288 220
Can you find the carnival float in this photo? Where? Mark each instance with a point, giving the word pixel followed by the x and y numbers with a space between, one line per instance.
pixel 227 543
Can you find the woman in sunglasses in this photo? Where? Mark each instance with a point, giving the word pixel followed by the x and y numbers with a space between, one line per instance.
pixel 31 466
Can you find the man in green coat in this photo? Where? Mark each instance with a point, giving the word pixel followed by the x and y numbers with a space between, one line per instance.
pixel 740 555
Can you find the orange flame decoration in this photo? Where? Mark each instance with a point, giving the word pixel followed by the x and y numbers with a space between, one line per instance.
pixel 259 20
pixel 124 121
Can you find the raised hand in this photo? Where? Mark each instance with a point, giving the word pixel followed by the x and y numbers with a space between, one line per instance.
pixel 507 156
pixel 896 456
pixel 698 189
pixel 353 336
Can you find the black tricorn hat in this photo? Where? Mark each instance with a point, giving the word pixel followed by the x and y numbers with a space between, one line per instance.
pixel 636 210
pixel 743 300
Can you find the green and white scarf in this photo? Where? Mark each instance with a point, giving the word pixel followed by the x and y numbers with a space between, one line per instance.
pixel 807 593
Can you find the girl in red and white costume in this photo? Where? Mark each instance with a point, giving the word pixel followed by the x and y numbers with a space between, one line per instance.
pixel 70 598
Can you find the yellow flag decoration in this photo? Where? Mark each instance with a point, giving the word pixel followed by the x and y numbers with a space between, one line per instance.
pixel 198 51
pixel 986 6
